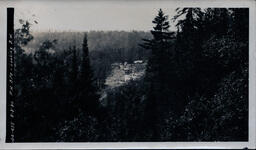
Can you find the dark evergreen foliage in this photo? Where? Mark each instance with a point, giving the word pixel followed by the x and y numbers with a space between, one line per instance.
pixel 87 90
pixel 195 86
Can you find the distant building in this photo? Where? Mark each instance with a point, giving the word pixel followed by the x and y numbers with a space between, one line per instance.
pixel 138 61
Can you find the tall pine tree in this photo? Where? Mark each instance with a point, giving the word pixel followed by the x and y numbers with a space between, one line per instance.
pixel 156 73
pixel 89 99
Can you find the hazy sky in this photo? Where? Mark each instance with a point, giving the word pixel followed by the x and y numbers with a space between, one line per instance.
pixel 92 15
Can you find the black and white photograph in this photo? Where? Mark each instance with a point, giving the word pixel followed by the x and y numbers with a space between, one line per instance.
pixel 126 71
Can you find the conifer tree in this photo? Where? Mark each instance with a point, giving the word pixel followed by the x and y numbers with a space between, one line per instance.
pixel 156 72
pixel 86 74
pixel 188 51
pixel 159 44
pixel 87 89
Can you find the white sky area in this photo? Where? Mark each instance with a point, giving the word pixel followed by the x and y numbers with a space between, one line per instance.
pixel 92 15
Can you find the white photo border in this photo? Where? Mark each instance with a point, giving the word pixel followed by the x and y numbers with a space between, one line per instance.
pixel 251 144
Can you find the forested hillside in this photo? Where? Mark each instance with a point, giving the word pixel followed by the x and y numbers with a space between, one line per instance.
pixel 192 86
pixel 100 41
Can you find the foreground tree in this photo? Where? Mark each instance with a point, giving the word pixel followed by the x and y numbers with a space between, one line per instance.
pixel 216 85
pixel 84 124
pixel 89 99
pixel 156 73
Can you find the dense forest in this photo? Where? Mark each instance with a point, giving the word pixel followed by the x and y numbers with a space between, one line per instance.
pixel 195 85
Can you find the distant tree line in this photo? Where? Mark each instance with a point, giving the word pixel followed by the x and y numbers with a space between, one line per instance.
pixel 195 86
